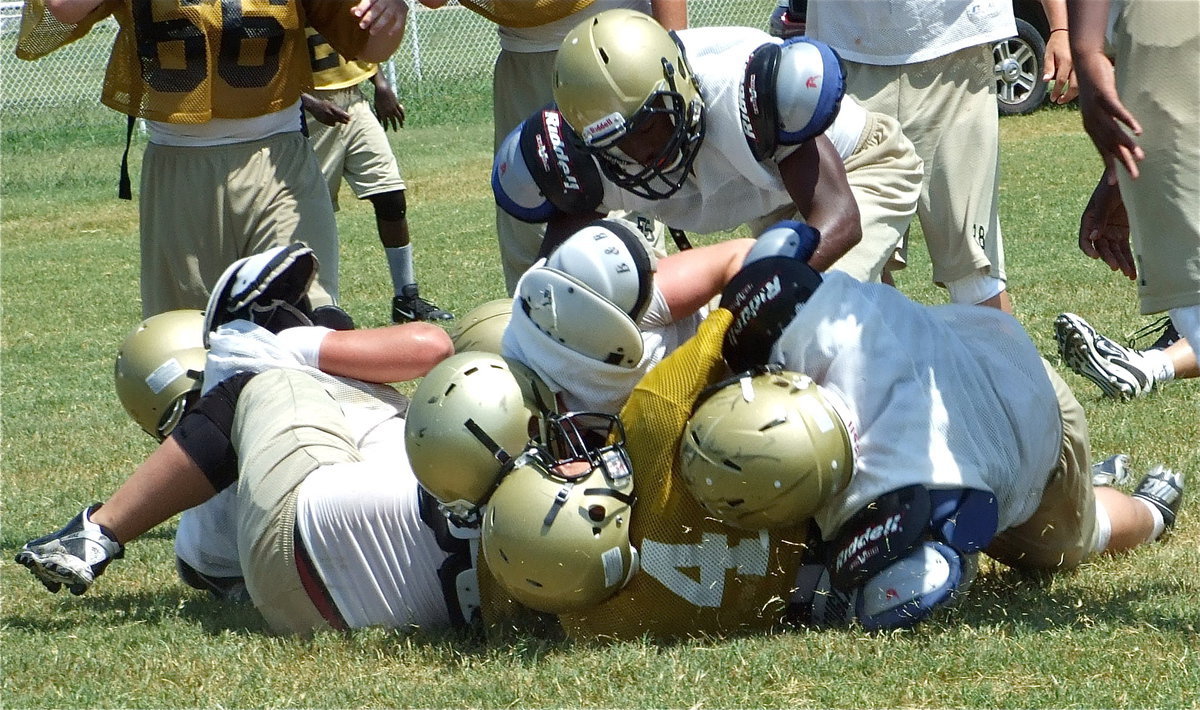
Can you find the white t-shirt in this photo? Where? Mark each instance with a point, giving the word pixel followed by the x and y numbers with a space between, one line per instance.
pixel 728 187
pixel 945 396
pixel 890 32
pixel 549 37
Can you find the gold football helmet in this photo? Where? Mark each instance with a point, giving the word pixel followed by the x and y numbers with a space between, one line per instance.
pixel 468 418
pixel 482 328
pixel 556 531
pixel 614 73
pixel 158 370
pixel 766 450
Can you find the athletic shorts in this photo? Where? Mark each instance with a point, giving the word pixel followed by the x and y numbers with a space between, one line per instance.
pixel 358 151
pixel 884 173
pixel 201 209
pixel 1158 79
pixel 1062 531
pixel 947 108
pixel 286 425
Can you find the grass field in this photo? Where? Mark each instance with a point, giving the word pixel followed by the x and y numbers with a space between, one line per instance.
pixel 1116 633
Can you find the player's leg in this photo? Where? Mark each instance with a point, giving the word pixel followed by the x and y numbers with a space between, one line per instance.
pixel 521 84
pixel 188 468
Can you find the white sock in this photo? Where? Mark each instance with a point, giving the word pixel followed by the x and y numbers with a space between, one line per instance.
pixel 1103 528
pixel 1161 367
pixel 400 264
pixel 1156 515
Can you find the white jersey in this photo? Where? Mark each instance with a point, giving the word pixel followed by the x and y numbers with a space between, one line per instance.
pixel 588 385
pixel 548 37
pixel 891 32
pixel 943 396
pixel 361 525
pixel 728 186
pixel 359 521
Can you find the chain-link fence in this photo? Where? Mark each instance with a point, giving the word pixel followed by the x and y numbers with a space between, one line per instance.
pixel 447 45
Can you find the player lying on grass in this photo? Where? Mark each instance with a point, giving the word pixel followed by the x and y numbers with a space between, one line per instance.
pixel 330 527
pixel 915 438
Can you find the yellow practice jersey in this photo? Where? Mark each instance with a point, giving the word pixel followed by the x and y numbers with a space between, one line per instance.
pixel 698 576
pixel 525 13
pixel 188 61
pixel 331 70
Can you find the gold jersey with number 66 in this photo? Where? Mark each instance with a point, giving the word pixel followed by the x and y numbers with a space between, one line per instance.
pixel 189 61
pixel 698 576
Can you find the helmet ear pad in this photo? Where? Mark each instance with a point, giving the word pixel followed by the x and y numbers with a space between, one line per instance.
pixel 612 259
pixel 574 315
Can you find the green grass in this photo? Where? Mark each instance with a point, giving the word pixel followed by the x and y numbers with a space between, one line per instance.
pixel 1117 633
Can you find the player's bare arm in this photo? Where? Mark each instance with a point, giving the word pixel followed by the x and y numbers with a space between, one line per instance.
pixel 69 12
pixel 815 176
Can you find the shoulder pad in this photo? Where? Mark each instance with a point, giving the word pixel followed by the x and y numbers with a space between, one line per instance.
pixel 543 151
pixel 791 92
pixel 878 535
pixel 513 185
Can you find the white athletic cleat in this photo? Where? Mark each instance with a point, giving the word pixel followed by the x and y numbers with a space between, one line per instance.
pixel 1162 488
pixel 1119 371
pixel 1112 471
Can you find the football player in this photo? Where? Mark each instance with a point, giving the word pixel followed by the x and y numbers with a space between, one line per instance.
pixel 330 527
pixel 227 171
pixel 707 129
pixel 351 143
pixel 964 441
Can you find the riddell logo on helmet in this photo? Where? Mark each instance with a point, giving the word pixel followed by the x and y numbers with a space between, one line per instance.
pixel 854 550
pixel 553 125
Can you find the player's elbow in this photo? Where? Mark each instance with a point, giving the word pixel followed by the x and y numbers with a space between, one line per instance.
pixel 429 345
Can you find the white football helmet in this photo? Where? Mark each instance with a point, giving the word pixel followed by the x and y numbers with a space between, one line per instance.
pixel 615 71
pixel 468 418
pixel 159 368
pixel 590 292
pixel 556 531
pixel 766 450
pixel 482 327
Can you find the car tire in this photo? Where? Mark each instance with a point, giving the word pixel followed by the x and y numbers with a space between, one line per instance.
pixel 1019 63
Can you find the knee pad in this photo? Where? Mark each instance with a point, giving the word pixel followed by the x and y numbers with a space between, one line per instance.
pixel 390 206
pixel 203 433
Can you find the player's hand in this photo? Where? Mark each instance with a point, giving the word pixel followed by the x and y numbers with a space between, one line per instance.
pixel 1104 229
pixel 1105 118
pixel 388 108
pixel 324 111
pixel 1060 69
pixel 381 17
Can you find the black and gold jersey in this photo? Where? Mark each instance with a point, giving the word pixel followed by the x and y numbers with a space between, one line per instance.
pixel 698 576
pixel 189 61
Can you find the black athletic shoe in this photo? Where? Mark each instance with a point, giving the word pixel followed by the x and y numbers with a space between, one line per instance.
pixel 1163 488
pixel 409 307
pixel 1162 330
pixel 226 588
pixel 74 556
pixel 333 317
